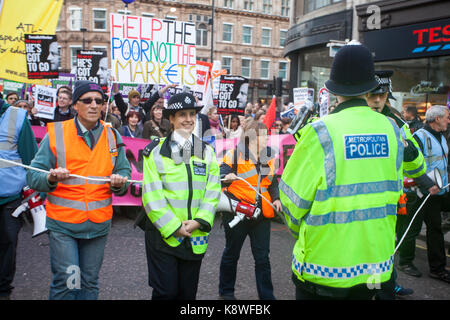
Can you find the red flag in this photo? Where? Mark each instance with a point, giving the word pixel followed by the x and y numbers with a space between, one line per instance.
pixel 271 113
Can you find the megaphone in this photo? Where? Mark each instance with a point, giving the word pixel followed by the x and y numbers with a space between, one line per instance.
pixel 33 201
pixel 241 209
pixel 435 175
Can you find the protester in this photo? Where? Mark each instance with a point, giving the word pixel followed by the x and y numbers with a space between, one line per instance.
pixel 260 116
pixel 214 122
pixel 285 123
pixel 156 126
pixel 277 127
pixel 377 99
pixel 132 129
pixel 64 110
pixel 338 200
pixel 181 190
pixel 79 211
pixel 412 118
pixel 11 98
pixel 235 129
pixel 110 117
pixel 24 104
pixel 17 143
pixel 435 150
pixel 254 161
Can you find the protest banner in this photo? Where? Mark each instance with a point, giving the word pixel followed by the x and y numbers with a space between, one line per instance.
pixel 203 86
pixel 18 18
pixel 45 101
pixel 232 97
pixel 64 79
pixel 92 65
pixel 43 56
pixel 150 50
pixel 283 144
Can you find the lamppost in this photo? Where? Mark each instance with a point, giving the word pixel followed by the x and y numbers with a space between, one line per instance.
pixel 83 30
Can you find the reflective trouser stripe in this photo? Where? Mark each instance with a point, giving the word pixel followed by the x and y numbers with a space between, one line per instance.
pixel 79 205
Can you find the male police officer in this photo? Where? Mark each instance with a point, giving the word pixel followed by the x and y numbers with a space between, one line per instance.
pixel 340 190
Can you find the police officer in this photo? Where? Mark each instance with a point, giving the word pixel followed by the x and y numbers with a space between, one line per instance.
pixel 434 147
pixel 340 190
pixel 377 99
pixel 181 188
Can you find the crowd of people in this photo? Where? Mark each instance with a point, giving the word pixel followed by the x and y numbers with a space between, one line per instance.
pixel 340 189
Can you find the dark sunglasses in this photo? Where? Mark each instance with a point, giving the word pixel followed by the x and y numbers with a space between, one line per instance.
pixel 89 100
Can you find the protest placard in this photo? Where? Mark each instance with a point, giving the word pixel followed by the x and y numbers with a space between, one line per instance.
pixel 324 101
pixel 45 101
pixel 92 65
pixel 232 97
pixel 150 50
pixel 64 79
pixel 43 56
pixel 301 95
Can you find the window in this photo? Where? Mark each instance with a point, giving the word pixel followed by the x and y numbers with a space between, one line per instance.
pixel 73 55
pixel 285 10
pixel 282 70
pixel 228 4
pixel 227 34
pixel 283 35
pixel 265 64
pixel 246 67
pixel 226 64
pixel 311 5
pixel 265 36
pixel 248 5
pixel 247 34
pixel 75 19
pixel 99 18
pixel 202 35
pixel 267 6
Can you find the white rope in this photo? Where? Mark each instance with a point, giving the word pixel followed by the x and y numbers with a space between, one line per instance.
pixel 412 220
pixel 70 175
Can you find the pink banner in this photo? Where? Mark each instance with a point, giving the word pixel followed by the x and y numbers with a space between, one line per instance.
pixel 283 144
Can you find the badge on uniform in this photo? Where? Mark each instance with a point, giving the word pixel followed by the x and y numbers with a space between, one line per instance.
pixel 199 168
pixel 366 146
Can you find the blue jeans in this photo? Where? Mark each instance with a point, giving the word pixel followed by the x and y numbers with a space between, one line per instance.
pixel 75 265
pixel 259 233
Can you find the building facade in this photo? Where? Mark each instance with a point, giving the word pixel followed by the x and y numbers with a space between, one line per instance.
pixel 407 36
pixel 247 37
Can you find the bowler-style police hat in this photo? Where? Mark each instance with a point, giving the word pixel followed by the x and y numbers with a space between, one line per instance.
pixel 352 72
pixel 180 101
pixel 384 82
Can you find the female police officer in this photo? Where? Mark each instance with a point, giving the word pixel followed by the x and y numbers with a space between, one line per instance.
pixel 181 188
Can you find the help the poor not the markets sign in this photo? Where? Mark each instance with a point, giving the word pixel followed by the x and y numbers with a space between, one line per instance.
pixel 150 50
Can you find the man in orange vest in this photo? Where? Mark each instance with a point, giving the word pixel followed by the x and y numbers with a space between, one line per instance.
pixel 79 210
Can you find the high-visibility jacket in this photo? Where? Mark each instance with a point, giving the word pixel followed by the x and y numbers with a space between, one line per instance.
pixel 13 177
pixel 247 169
pixel 175 191
pixel 77 200
pixel 339 192
pixel 435 153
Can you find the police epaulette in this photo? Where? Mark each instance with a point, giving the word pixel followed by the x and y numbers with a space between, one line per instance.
pixel 150 147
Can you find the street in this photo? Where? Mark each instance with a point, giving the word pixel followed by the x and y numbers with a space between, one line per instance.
pixel 124 272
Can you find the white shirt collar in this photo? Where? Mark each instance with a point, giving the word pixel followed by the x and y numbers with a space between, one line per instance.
pixel 178 138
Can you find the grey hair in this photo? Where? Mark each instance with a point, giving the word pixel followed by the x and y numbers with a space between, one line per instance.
pixel 435 111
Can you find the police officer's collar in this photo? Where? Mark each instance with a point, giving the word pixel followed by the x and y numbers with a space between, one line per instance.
pixel 166 148
pixel 357 102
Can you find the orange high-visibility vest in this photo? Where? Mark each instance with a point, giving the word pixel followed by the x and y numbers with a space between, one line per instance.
pixel 246 169
pixel 77 200
pixel 401 205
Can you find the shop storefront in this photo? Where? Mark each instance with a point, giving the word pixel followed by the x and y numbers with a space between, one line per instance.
pixel 418 53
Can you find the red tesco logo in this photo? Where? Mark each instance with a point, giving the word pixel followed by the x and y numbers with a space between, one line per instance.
pixel 435 35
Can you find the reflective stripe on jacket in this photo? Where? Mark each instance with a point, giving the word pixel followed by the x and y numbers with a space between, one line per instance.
pixel 76 200
pixel 246 169
pixel 13 177
pixel 176 191
pixel 339 192
pixel 435 153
